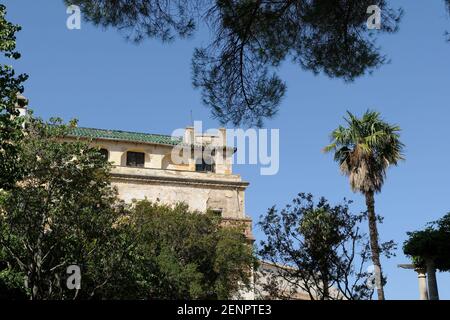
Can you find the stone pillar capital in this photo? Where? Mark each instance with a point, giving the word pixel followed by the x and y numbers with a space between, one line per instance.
pixel 421 271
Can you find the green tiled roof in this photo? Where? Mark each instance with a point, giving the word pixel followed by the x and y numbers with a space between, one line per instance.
pixel 91 133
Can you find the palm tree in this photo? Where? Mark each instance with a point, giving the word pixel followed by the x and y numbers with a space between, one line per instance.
pixel 364 149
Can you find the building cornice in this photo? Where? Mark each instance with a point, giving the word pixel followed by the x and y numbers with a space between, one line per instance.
pixel 179 180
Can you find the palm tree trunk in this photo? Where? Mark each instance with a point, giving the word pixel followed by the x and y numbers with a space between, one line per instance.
pixel 374 246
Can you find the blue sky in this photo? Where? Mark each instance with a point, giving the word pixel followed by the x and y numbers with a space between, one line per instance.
pixel 96 76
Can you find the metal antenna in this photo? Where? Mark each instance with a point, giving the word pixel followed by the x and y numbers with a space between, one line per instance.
pixel 192 119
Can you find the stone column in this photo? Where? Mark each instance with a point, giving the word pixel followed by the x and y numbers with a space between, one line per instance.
pixel 422 277
pixel 432 283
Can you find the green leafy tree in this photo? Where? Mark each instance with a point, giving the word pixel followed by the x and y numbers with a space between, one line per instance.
pixel 364 150
pixel 11 281
pixel 431 244
pixel 430 249
pixel 10 87
pixel 318 248
pixel 62 212
pixel 236 72
pixel 181 254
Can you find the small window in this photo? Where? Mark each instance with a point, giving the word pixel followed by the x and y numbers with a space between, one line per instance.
pixel 205 165
pixel 217 212
pixel 135 159
pixel 104 153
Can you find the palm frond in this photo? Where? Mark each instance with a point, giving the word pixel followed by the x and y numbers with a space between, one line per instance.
pixel 329 148
pixel 365 148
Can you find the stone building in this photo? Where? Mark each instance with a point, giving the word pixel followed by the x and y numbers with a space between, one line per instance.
pixel 143 167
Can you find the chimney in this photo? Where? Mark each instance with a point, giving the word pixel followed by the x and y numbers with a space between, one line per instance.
pixel 223 136
pixel 22 105
pixel 189 135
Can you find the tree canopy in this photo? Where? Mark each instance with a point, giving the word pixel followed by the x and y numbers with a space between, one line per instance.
pixel 60 213
pixel 237 71
pixel 10 87
pixel 184 254
pixel 432 243
pixel 320 248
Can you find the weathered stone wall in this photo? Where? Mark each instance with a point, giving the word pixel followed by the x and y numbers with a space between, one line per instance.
pixel 199 197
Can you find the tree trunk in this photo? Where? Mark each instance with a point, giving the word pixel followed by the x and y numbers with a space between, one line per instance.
pixel 325 283
pixel 432 282
pixel 374 246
